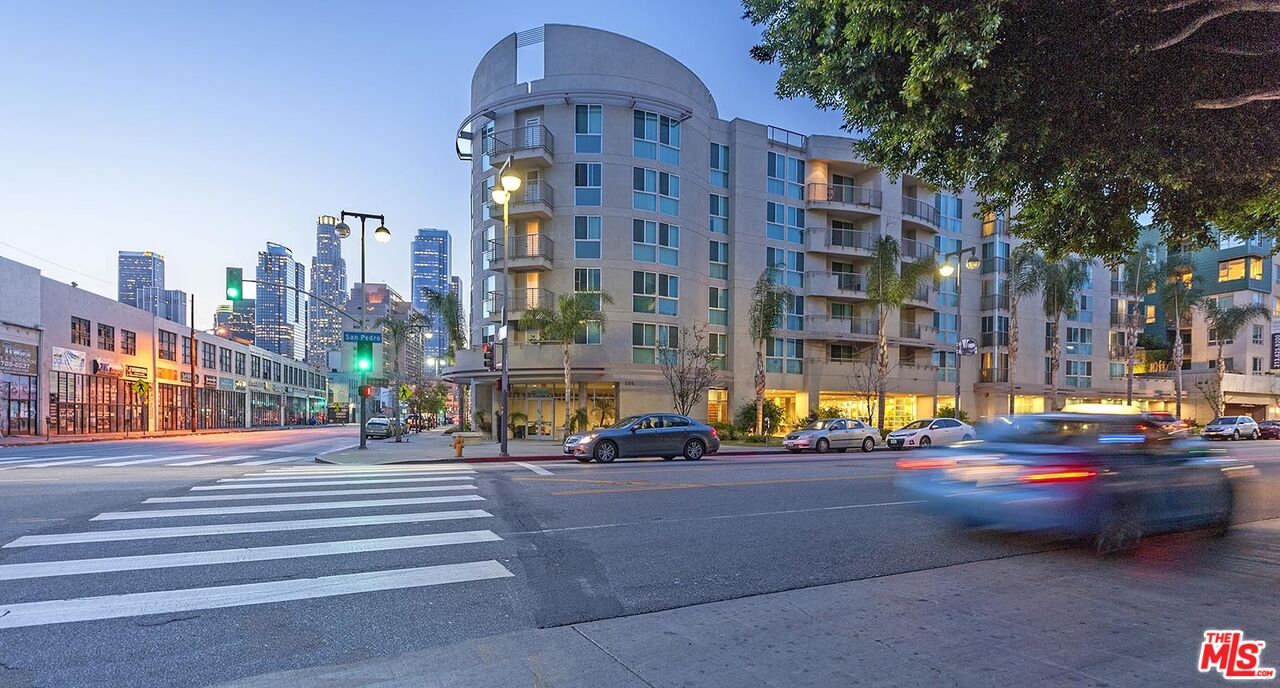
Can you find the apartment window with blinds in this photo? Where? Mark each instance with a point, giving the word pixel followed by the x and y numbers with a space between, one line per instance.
pixel 951 211
pixel 1079 373
pixel 719 216
pixel 128 342
pixel 1257 334
pixel 656 137
pixel 80 332
pixel 718 347
pixel 788 266
pixel 588 125
pixel 647 338
pixel 784 355
pixel 718 305
pixel 655 191
pixel 784 222
pixel 655 242
pixel 587 281
pixel 106 337
pixel 719 165
pixel 586 184
pixel 586 237
pixel 795 313
pixel 654 292
pixel 718 267
pixel 1079 341
pixel 784 176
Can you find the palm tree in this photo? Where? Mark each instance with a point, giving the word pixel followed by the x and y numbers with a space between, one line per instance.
pixel 890 283
pixel 1137 277
pixel 1026 272
pixel 1178 292
pixel 769 302
pixel 453 324
pixel 571 316
pixel 397 332
pixel 1061 281
pixel 1226 323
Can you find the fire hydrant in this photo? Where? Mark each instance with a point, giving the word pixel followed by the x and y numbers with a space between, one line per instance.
pixel 458 443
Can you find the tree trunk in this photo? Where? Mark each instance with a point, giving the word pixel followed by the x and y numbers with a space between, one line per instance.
pixel 882 369
pixel 1055 352
pixel 1130 349
pixel 1013 345
pixel 1177 372
pixel 759 392
pixel 1221 376
pixel 566 390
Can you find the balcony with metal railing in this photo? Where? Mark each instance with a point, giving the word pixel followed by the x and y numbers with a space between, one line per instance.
pixel 993 375
pixel 920 297
pixel 840 284
pixel 1118 319
pixel 994 339
pixel 857 200
pixel 840 241
pixel 528 252
pixel 827 327
pixel 916 331
pixel 916 250
pixel 532 199
pixel 522 299
pixel 991 302
pixel 995 264
pixel 917 212
pixel 1117 286
pixel 528 143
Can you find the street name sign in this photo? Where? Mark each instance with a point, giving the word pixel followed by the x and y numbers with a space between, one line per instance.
pixel 374 337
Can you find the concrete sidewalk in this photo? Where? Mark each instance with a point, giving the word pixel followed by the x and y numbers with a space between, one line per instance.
pixel 1052 619
pixel 433 446
pixel 37 440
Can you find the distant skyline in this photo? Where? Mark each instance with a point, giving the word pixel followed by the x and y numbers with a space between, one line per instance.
pixel 203 130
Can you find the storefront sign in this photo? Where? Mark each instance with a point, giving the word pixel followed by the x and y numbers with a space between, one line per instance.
pixel 210 380
pixel 166 374
pixel 240 384
pixel 226 383
pixel 185 377
pixel 69 360
pixel 1275 343
pixel 18 359
pixel 101 367
pixel 135 372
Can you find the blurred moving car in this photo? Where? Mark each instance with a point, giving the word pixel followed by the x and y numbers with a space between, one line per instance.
pixel 927 432
pixel 1107 479
pixel 1269 429
pixel 840 434
pixel 667 435
pixel 1170 424
pixel 378 427
pixel 1231 428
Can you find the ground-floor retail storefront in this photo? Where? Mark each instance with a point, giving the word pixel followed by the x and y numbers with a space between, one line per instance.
pixel 538 408
pixel 85 404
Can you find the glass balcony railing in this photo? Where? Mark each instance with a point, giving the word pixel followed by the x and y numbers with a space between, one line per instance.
pixel 918 209
pixel 846 194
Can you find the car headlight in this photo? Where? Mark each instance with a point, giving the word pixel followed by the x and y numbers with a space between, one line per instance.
pixel 586 439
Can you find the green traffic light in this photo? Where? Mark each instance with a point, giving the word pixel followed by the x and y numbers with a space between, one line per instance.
pixel 233 293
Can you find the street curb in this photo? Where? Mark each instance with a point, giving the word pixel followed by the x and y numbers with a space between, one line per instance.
pixel 511 459
pixel 84 439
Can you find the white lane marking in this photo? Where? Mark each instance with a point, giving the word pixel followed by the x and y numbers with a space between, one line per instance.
pixel 74 567
pixel 11 459
pixel 175 457
pixel 318 483
pixel 223 459
pixel 268 508
pixel 263 462
pixel 55 460
pixel 309 470
pixel 171 601
pixel 316 493
pixel 331 476
pixel 536 469
pixel 253 527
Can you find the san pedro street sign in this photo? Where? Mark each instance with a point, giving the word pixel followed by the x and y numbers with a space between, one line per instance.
pixel 374 337
pixel 377 382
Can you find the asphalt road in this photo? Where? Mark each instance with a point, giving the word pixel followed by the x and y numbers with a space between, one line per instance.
pixel 158 575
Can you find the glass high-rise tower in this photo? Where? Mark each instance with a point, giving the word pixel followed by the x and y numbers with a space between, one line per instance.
pixel 328 284
pixel 280 309
pixel 140 280
pixel 429 270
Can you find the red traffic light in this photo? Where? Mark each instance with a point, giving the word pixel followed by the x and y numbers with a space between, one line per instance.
pixel 366 390
pixel 487 349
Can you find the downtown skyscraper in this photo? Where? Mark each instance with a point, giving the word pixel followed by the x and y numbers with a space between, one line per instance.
pixel 329 289
pixel 140 283
pixel 280 308
pixel 429 271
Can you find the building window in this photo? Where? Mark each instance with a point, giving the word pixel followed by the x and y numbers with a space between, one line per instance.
pixel 785 176
pixel 654 190
pixel 487 145
pixel 950 210
pixel 995 330
pixel 784 355
pixel 255 366
pixel 840 353
pixel 588 125
pixel 795 313
pixel 240 364
pixel 587 281
pixel 788 266
pixel 106 337
pixel 129 342
pixel 224 360
pixel 586 236
pixel 945 362
pixel 208 355
pixel 718 305
pixel 168 346
pixel 1079 373
pixel 647 338
pixel 1084 309
pixel 1079 341
pixel 656 137
pixel 1150 314
pixel 1255 269
pixel 948 326
pixel 719 165
pixel 993 224
pixel 275 371
pixel 719 217
pixel 1257 334
pixel 717 347
pixel 1213 338
pixel 655 293
pixel 187 351
pixel 1231 270
pixel 1255 365
pixel 586 184
pixel 655 242
pixel 784 223
pixel 719 260
pixel 80 331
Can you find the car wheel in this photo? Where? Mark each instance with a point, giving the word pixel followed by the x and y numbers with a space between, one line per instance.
pixel 606 452
pixel 583 458
pixel 1120 528
pixel 822 446
pixel 925 442
pixel 967 438
pixel 693 450
pixel 1255 435
pixel 868 444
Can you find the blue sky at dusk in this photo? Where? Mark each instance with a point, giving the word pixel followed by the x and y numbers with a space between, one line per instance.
pixel 203 130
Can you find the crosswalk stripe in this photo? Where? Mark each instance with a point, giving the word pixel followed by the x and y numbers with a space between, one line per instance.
pixel 52 460
pixel 74 567
pixel 7 459
pixel 268 508
pixel 171 601
pixel 327 483
pixel 155 460
pixel 536 469
pixel 375 468
pixel 262 462
pixel 262 477
pixel 235 528
pixel 221 459
pixel 316 493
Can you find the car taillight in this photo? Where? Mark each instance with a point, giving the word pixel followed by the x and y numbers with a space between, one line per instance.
pixel 1059 474
pixel 714 433
pixel 923 464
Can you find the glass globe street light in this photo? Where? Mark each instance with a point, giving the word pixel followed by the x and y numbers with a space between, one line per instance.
pixel 382 235
pixel 343 229
pixel 972 263
pixel 500 195
pixel 511 183
pixel 946 269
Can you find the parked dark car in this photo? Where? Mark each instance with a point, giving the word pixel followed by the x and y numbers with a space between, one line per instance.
pixel 1269 429
pixel 667 435
pixel 378 427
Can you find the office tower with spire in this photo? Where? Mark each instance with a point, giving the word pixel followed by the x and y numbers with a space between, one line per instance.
pixel 329 289
pixel 429 269
pixel 280 309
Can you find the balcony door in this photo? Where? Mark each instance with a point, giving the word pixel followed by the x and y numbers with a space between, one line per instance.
pixel 532 132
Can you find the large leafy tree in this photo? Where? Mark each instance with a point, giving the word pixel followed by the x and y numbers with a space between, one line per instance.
pixel 1082 114
pixel 1060 285
pixel 562 324
pixel 447 310
pixel 1178 292
pixel 890 282
pixel 769 301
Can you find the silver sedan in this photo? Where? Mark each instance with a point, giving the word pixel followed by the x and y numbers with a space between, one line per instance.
pixel 667 435
pixel 839 434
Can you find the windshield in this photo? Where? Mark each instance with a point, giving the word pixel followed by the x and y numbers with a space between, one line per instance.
pixel 626 422
pixel 917 425
pixel 1223 421
pixel 818 425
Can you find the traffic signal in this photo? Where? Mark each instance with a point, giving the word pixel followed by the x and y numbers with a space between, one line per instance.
pixel 366 391
pixel 487 348
pixel 235 284
pixel 364 357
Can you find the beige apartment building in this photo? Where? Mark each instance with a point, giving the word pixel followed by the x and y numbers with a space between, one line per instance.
pixel 636 186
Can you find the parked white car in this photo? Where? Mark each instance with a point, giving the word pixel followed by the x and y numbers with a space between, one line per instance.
pixel 840 434
pixel 926 432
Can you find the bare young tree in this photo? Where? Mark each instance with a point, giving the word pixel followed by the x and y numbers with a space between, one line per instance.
pixel 1212 393
pixel 866 379
pixel 689 365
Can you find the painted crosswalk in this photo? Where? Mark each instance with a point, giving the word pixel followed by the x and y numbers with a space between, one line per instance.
pixel 148 460
pixel 221 523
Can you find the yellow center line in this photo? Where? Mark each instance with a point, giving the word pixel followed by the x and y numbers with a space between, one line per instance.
pixel 748 483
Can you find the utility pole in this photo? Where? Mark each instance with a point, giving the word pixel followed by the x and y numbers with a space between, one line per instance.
pixel 191 320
